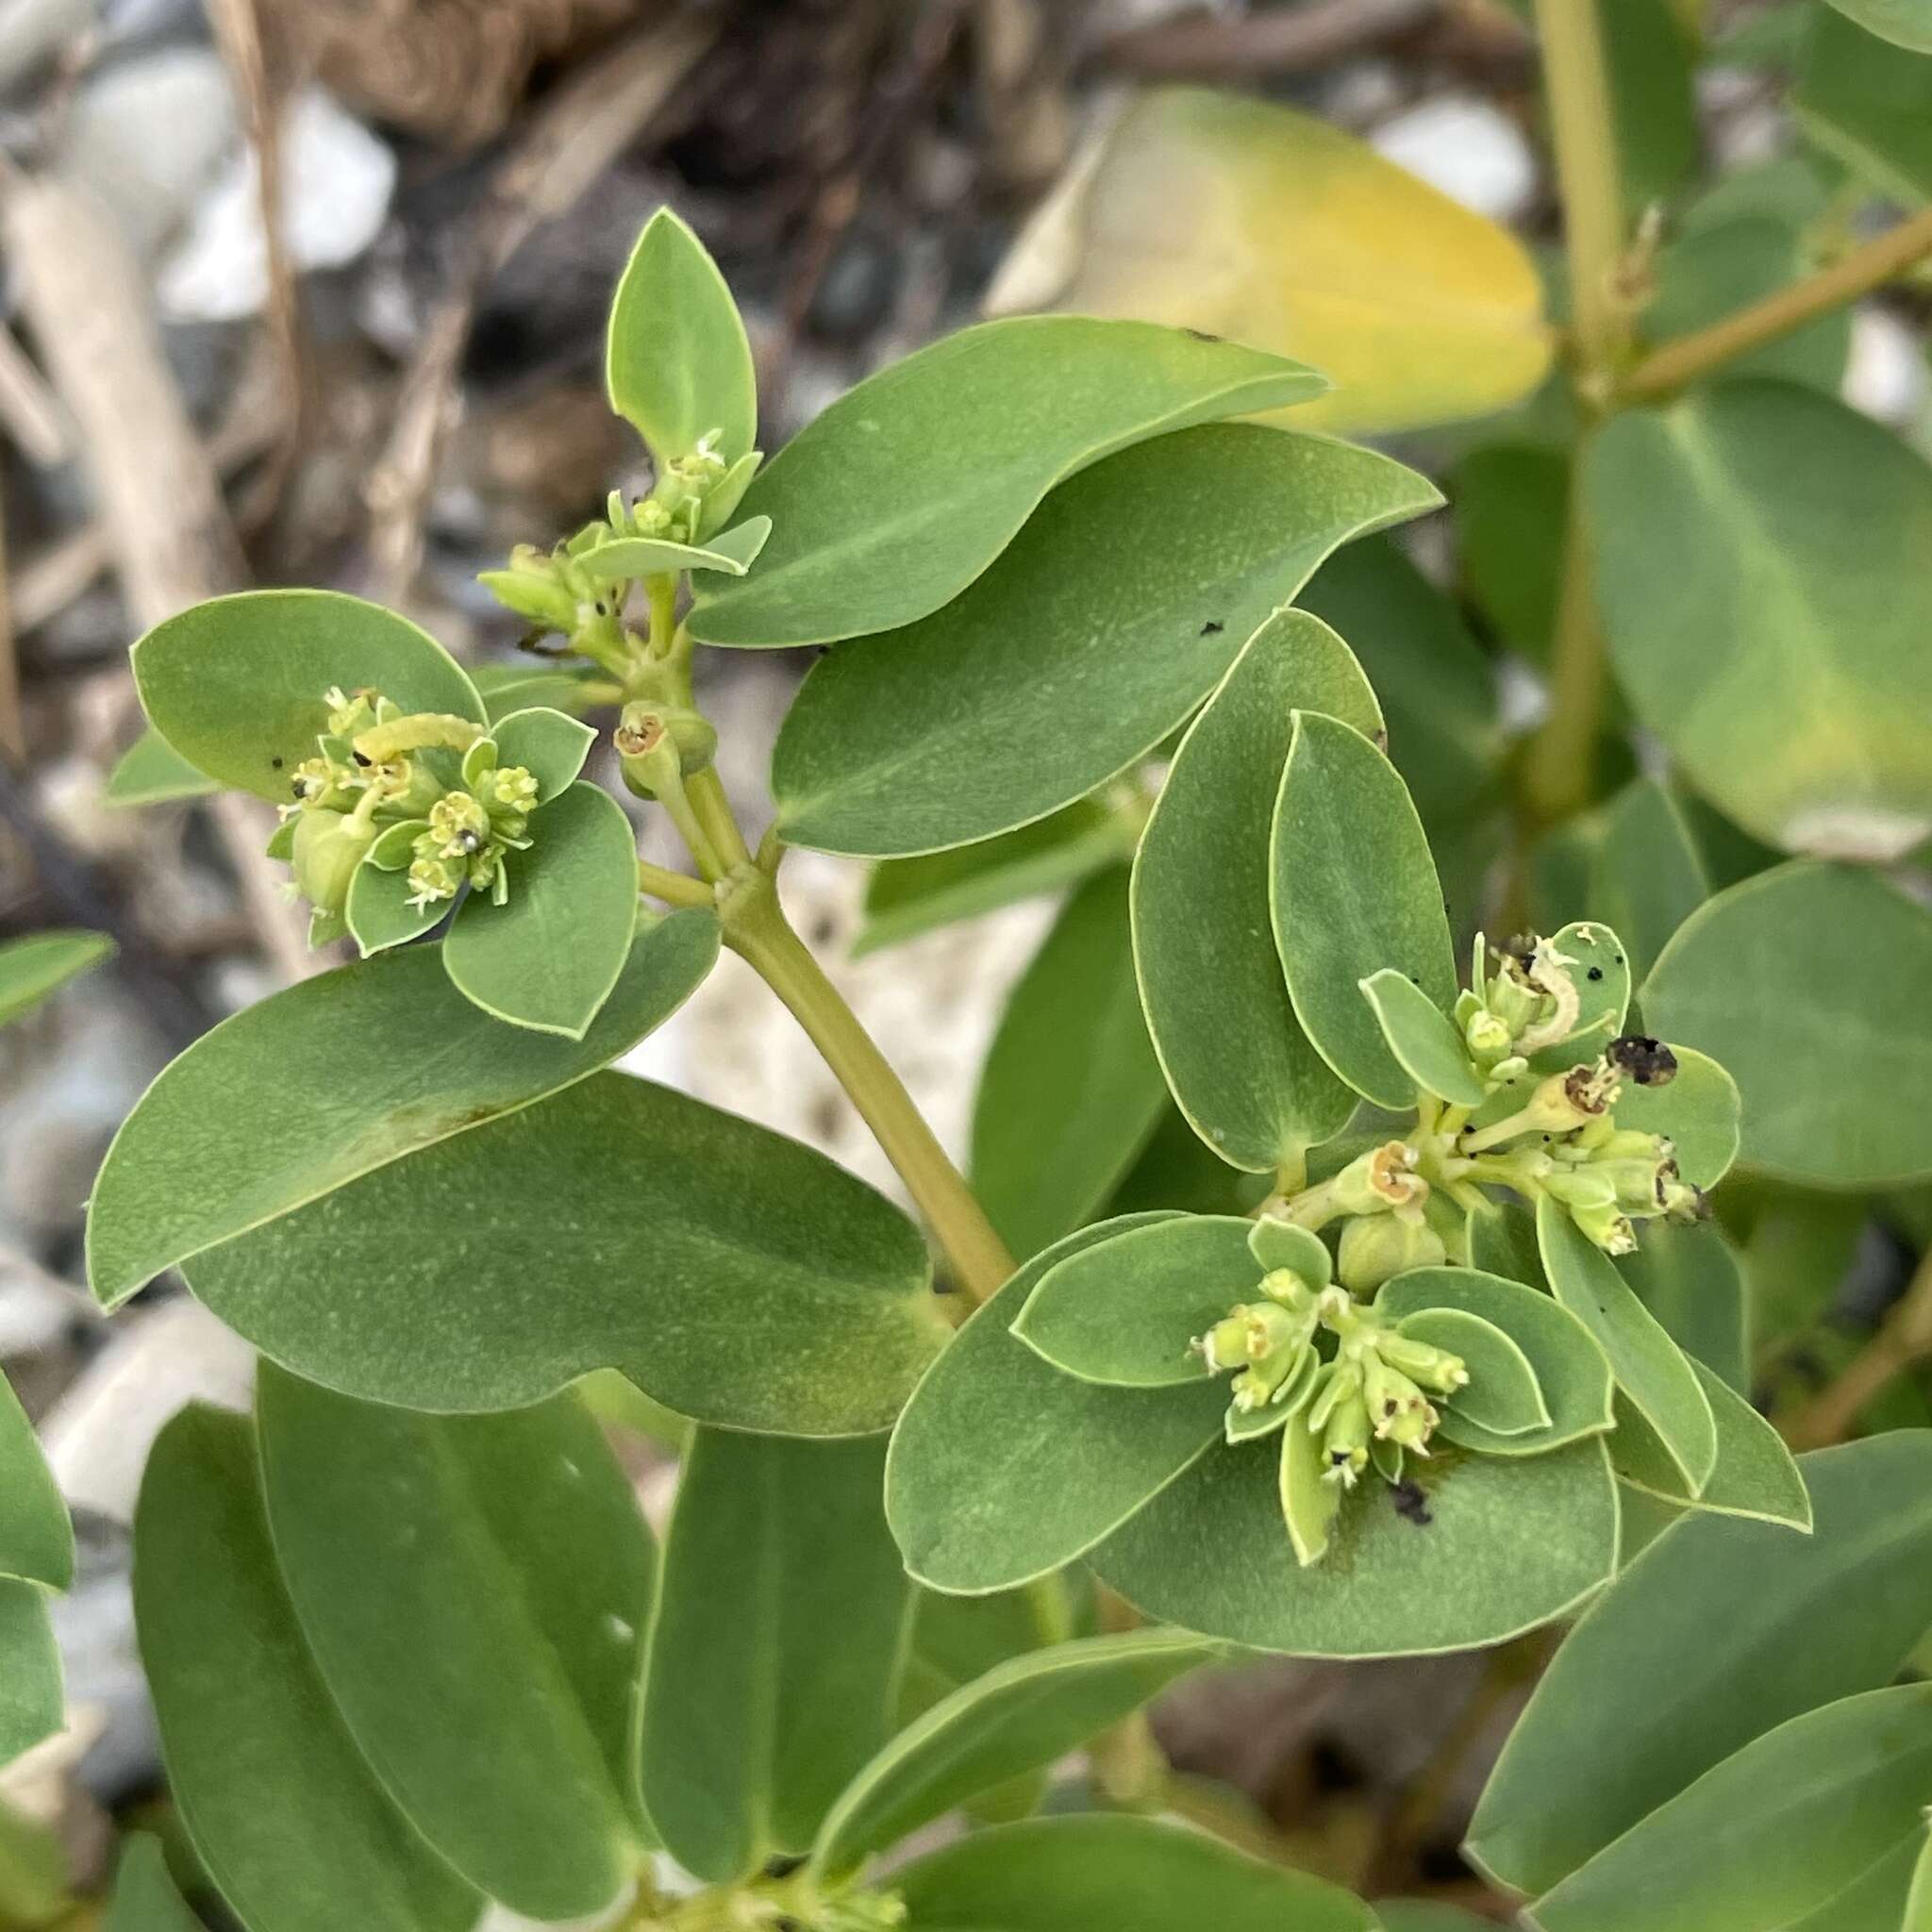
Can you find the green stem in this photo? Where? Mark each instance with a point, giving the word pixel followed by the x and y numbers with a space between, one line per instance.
pixel 757 929
pixel 680 889
pixel 1558 770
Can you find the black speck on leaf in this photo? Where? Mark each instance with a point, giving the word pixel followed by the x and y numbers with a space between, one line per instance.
pixel 275 764
pixel 1410 1503
pixel 1596 971
pixel 1201 334
pixel 1214 627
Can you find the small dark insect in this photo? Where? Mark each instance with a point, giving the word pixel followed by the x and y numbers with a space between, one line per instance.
pixel 471 842
pixel 1201 334
pixel 1212 628
pixel 365 763
pixel 1647 1061
pixel 1596 972
pixel 275 764
pixel 1410 1503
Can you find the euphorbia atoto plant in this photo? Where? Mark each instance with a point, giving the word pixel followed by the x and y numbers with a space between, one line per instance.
pixel 1311 1297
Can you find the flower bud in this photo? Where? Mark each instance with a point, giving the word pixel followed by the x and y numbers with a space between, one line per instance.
pixel 1345 1434
pixel 1382 1178
pixel 1423 1362
pixel 512 789
pixel 1608 1226
pixel 432 878
pixel 645 732
pixel 533 587
pixel 1376 1247
pixel 1488 1036
pixel 1285 1286
pixel 459 826
pixel 328 847
pixel 1398 1411
pixel 1581 1187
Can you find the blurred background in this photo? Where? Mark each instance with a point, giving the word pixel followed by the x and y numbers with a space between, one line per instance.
pixel 402 377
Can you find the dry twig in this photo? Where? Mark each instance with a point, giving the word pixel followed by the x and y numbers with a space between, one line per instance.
pixel 1281 39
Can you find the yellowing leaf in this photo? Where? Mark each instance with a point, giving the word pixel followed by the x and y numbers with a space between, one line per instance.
pixel 1240 219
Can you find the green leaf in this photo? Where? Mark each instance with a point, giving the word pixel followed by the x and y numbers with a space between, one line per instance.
pixel 151 771
pixel 237 685
pixel 1071 1089
pixel 780 1628
pixel 32 968
pixel 550 746
pixel 1690 1279
pixel 1438 688
pixel 1799 1621
pixel 1003 1468
pixel 1277 1243
pixel 905 897
pixel 1428 1049
pixel 329 1080
pixel 1502 1241
pixel 473 1591
pixel 1904 22
pixel 508 687
pixel 1572 1376
pixel 1751 602
pixel 1239 1064
pixel 1792 1819
pixel 1753 1475
pixel 1028 1712
pixel 378 910
pixel 1308 1506
pixel 1808 983
pixel 622 558
pixel 1700 1109
pixel 551 956
pixel 1099 1874
pixel 1123 1311
pixel 1650 1369
pixel 1354 890
pixel 145 1898
pixel 734 1276
pixel 1426 1915
pixel 1651 57
pixel 1867 105
pixel 1114 612
pixel 1506 1545
pixel 1631 864
pixel 32 1701
pixel 1502 1394
pixel 1717 267
pixel 36 1539
pixel 676 362
pixel 902 492
pixel 285 1814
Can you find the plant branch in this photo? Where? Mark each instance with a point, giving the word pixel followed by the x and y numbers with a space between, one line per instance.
pixel 1576 85
pixel 1905 1340
pixel 1561 759
pixel 1858 273
pixel 757 929
pixel 677 888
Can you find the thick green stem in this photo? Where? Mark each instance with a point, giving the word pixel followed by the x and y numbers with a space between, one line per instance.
pixel 1559 769
pixel 757 929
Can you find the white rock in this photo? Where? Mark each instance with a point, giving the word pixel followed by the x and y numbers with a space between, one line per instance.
pixel 98 1435
pixel 1887 376
pixel 1468 148
pixel 33 31
pixel 337 182
pixel 147 135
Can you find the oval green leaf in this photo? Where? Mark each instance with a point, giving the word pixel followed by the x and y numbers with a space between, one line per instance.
pixel 1572 1376
pixel 36 1537
pixel 151 771
pixel 1124 1311
pixel 734 1276
pixel 1100 1874
pixel 1700 1110
pixel 33 967
pixel 1071 1089
pixel 1600 969
pixel 237 685
pixel 1783 1827
pixel 145 1896
pixel 474 1591
pixel 1240 1067
pixel 775 1649
pixel 1690 1280
pixel 1808 984
pixel 1748 597
pixel 32 1696
pixel 1020 1714
pixel 550 957
pixel 1502 1394
pixel 1804 1620
pixel 1277 1243
pixel 622 558
pixel 380 911
pixel 1502 1546
pixel 676 362
pixel 903 492
pixel 214 1148
pixel 1354 890
pixel 1003 1468
pixel 1650 1369
pixel 1428 1049
pixel 1113 614
pixel 550 746
pixel 284 1811
pixel 905 897
pixel 1753 1475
